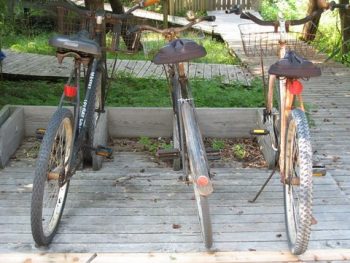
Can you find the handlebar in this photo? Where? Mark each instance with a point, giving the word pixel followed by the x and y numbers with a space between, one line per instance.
pixel 171 30
pixel 294 22
pixel 322 4
pixel 333 5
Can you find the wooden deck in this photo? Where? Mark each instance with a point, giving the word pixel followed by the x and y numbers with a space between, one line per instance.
pixel 135 205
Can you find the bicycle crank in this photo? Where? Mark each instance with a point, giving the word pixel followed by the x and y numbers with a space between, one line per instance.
pixel 170 154
pixel 101 151
pixel 104 151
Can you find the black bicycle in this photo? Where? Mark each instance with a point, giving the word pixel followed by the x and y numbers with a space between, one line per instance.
pixel 77 131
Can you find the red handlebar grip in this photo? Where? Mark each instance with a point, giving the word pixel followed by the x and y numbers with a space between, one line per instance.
pixel 150 2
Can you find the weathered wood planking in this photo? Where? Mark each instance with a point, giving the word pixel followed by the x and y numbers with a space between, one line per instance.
pixel 217 257
pixel 47 66
pixel 11 132
pixel 140 201
pixel 156 122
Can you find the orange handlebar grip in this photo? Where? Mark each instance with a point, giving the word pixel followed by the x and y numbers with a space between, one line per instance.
pixel 150 2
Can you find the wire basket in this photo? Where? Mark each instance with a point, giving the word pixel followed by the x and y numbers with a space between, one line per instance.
pixel 152 42
pixel 68 21
pixel 263 41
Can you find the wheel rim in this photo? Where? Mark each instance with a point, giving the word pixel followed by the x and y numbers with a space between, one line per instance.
pixel 292 175
pixel 54 191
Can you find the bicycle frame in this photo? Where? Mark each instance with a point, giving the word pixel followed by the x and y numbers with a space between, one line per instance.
pixel 186 100
pixel 286 98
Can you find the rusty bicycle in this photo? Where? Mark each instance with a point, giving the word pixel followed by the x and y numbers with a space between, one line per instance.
pixel 283 126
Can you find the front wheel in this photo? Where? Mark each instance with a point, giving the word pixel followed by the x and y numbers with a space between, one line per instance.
pixel 204 218
pixel 50 186
pixel 298 182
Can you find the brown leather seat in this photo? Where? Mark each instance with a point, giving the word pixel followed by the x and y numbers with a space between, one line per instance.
pixel 179 50
pixel 293 66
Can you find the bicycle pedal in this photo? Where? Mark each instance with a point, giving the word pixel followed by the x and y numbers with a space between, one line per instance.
pixel 104 151
pixel 168 154
pixel 259 132
pixel 39 133
pixel 213 154
pixel 319 170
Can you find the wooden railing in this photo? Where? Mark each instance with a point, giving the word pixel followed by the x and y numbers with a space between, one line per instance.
pixel 176 6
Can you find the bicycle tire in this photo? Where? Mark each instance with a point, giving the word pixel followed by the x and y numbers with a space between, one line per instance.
pixel 56 144
pixel 269 142
pixel 97 133
pixel 204 218
pixel 201 168
pixel 298 184
pixel 177 127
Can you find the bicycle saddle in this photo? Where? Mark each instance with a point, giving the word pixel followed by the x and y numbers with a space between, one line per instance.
pixel 179 50
pixel 293 66
pixel 79 42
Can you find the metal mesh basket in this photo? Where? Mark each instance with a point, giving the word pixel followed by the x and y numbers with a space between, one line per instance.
pixel 68 21
pixel 263 41
pixel 152 41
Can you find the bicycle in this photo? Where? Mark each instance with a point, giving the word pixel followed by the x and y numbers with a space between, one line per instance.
pixel 189 153
pixel 73 137
pixel 284 130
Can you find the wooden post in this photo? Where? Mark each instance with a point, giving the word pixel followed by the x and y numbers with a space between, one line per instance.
pixel 165 13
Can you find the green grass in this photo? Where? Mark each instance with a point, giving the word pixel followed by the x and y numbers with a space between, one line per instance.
pixel 216 50
pixel 132 92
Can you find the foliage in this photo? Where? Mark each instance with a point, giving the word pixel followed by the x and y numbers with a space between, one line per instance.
pixel 131 92
pixel 216 50
pixel 239 151
pixel 218 144
pixel 153 145
pixel 289 8
pixel 328 38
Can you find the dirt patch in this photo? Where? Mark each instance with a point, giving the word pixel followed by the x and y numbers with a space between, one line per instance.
pixel 222 152
pixel 231 152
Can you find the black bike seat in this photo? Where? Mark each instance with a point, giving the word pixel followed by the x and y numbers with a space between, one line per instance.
pixel 293 66
pixel 179 50
pixel 79 42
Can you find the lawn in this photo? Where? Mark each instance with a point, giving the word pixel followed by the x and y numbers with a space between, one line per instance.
pixel 133 92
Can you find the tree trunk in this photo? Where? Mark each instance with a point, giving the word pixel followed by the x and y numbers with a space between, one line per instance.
pixel 345 27
pixel 94 4
pixel 117 6
pixel 165 13
pixel 310 29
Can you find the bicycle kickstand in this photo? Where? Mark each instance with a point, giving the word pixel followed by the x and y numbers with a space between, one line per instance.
pixel 263 186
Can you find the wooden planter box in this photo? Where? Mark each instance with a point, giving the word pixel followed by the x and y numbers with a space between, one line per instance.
pixel 17 122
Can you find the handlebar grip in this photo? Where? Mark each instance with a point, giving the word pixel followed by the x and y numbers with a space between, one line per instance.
pixel 209 18
pixel 150 2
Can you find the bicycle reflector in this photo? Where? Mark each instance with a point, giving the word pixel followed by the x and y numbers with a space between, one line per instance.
pixel 202 180
pixel 70 91
pixel 150 2
pixel 295 87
